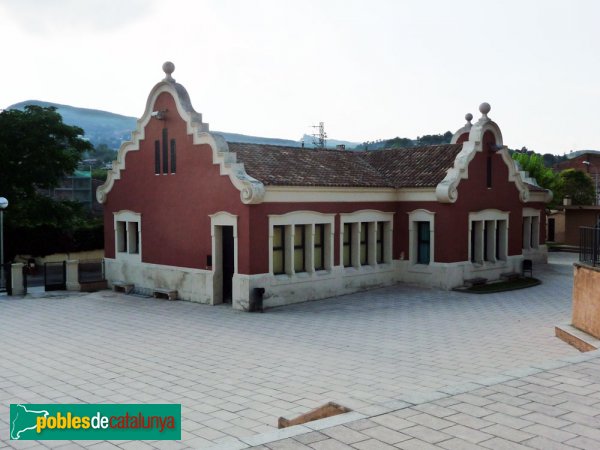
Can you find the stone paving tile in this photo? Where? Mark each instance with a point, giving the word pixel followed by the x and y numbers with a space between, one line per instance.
pixel 584 443
pixel 386 435
pixel 330 444
pixel 467 434
pixel 469 421
pixel 458 444
pixel 502 444
pixel 426 434
pixel 345 434
pixel 372 349
pixel 550 433
pixel 582 419
pixel 393 422
pixel 373 444
pixel 543 443
pixel 287 444
pixel 583 430
pixel 542 419
pixel 361 424
pixel 509 421
pixel 417 444
pixel 507 433
pixel 311 437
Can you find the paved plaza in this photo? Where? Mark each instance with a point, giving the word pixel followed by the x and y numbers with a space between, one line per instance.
pixel 433 367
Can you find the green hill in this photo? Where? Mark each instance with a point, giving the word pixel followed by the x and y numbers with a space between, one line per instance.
pixel 110 129
pixel 101 127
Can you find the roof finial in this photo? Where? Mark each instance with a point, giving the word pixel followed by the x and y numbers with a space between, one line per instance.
pixel 468 118
pixel 484 109
pixel 168 67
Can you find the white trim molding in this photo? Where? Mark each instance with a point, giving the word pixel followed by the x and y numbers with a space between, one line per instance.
pixel 320 194
pixel 251 190
pixel 531 229
pixel 126 234
pixel 420 215
pixel 291 221
pixel 217 221
pixel 357 218
pixel 490 226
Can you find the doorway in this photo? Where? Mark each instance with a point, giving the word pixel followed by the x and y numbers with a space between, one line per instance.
pixel 551 229
pixel 227 251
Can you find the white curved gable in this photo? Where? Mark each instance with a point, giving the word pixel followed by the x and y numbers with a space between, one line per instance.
pixel 251 190
pixel 447 190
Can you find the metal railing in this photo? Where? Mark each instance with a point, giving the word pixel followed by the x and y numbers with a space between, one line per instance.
pixel 589 245
pixel 91 270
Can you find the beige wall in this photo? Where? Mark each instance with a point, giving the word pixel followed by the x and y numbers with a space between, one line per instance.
pixel 559 226
pixel 586 299
pixel 575 218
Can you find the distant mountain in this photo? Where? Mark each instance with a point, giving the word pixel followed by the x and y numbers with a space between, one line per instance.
pixel 103 127
pixel 330 143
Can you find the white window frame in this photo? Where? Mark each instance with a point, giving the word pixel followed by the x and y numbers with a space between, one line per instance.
pixel 128 217
pixel 358 218
pixel 498 219
pixel 531 228
pixel 420 215
pixel 309 219
pixel 223 219
pixel 217 221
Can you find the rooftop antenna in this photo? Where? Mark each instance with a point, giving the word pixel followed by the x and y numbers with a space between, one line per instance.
pixel 319 136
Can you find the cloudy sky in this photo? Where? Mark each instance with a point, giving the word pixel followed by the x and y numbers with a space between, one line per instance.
pixel 369 69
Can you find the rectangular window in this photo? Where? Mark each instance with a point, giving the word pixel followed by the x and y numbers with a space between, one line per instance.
pixel 319 247
pixel 485 240
pixel 121 236
pixel 299 249
pixel 473 240
pixel 364 243
pixel 173 156
pixel 502 237
pixel 379 243
pixel 423 243
pixel 347 244
pixel 157 157
pixel 489 171
pixel 488 241
pixel 525 227
pixel 533 233
pixel 133 237
pixel 278 249
pixel 498 241
pixel 165 150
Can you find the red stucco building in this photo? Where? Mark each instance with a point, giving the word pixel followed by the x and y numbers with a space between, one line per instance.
pixel 188 211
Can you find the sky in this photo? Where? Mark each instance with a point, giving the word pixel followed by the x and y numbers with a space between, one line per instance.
pixel 370 70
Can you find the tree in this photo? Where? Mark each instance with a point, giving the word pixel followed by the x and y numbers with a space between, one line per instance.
pixel 399 142
pixel 103 153
pixel 534 164
pixel 434 139
pixel 36 150
pixel 578 185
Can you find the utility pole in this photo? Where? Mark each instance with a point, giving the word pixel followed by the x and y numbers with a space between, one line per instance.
pixel 319 136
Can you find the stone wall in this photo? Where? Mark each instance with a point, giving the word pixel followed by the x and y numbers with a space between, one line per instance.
pixel 586 299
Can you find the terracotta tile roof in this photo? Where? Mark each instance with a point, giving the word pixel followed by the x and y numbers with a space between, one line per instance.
pixel 414 167
pixel 394 168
